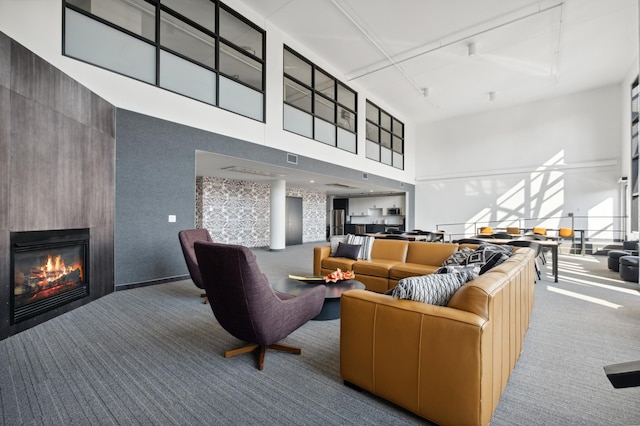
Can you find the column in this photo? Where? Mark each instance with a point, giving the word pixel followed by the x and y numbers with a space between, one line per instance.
pixel 278 215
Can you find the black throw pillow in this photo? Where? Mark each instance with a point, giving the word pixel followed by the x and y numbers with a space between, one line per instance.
pixel 348 250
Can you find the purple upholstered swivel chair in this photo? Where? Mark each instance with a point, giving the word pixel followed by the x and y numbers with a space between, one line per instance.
pixel 245 305
pixel 187 238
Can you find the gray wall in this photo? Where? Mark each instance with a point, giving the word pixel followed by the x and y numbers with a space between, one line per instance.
pixel 57 143
pixel 155 177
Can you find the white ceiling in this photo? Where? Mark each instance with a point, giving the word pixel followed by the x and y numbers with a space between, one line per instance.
pixel 524 50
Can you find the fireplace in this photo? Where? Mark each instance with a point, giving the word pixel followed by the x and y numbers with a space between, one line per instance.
pixel 48 269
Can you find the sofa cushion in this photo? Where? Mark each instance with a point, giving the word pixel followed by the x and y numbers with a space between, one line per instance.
pixel 333 263
pixel 390 250
pixel 435 289
pixel 365 242
pixel 429 253
pixel 350 251
pixel 376 268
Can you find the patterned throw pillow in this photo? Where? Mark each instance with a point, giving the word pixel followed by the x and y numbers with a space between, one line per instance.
pixel 469 272
pixel 366 243
pixel 490 255
pixel 435 289
pixel 459 257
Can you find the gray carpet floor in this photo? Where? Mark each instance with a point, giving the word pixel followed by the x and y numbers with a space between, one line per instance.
pixel 153 356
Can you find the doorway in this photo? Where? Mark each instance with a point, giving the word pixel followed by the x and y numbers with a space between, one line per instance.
pixel 293 217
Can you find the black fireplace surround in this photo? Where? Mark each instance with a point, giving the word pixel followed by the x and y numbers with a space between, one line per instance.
pixel 49 269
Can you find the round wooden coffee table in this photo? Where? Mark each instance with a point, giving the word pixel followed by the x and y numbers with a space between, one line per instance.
pixel 331 307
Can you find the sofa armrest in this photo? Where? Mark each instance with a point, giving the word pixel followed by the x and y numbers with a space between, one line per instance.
pixel 320 253
pixel 416 355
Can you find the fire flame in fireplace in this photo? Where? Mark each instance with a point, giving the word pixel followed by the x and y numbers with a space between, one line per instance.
pixel 53 270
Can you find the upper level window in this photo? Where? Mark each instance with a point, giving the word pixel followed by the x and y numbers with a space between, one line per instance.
pixel 197 48
pixel 317 105
pixel 385 137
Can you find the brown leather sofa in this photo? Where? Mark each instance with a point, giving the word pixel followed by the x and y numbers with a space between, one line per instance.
pixel 391 260
pixel 448 364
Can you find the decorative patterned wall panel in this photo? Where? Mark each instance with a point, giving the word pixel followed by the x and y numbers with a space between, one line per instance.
pixel 238 212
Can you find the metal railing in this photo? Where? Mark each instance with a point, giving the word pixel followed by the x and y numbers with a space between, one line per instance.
pixel 588 229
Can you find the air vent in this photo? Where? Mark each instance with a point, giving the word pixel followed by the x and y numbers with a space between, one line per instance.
pixel 365 176
pixel 239 169
pixel 292 158
pixel 340 185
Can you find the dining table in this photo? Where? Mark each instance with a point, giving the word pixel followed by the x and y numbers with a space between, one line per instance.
pixel 551 244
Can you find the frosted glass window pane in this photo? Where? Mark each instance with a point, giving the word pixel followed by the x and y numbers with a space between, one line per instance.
pixel 297 121
pixel 104 46
pixel 187 78
pixel 385 155
pixel 398 160
pixel 136 16
pixel 240 67
pixel 325 132
pixel 346 140
pixel 373 151
pixel 186 40
pixel 240 33
pixel 202 12
pixel 241 99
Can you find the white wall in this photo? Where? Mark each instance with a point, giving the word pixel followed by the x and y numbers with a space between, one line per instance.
pixel 37 24
pixel 543 159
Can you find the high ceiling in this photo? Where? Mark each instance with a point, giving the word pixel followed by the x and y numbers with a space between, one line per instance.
pixel 458 52
pixel 427 60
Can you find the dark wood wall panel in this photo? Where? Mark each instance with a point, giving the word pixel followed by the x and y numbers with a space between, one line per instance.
pixel 57 168
pixel 101 176
pixel 102 261
pixel 5 137
pixel 5 61
pixel 36 79
pixel 48 163
pixel 103 116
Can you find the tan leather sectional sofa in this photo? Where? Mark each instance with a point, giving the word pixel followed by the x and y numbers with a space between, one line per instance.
pixel 448 364
pixel 391 260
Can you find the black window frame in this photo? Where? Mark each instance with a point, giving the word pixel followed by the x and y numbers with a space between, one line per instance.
pixel 380 128
pixel 156 43
pixel 317 93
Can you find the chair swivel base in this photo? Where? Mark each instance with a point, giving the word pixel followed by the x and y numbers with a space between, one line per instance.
pixel 262 350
